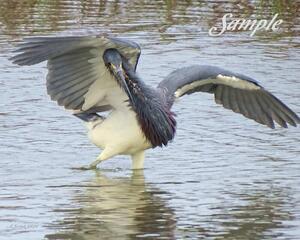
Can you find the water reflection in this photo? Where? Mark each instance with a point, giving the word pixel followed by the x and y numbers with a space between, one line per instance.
pixel 127 208
pixel 111 208
pixel 167 17
pixel 252 216
pixel 262 214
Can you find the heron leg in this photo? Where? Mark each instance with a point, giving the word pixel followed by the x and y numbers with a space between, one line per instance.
pixel 138 160
pixel 94 164
pixel 104 155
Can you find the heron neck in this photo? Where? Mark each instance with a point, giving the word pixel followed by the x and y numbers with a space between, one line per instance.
pixel 154 117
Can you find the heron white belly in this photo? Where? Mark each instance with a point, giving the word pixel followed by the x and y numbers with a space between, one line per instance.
pixel 119 133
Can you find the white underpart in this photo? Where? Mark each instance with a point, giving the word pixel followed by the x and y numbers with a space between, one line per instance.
pixel 230 81
pixel 119 134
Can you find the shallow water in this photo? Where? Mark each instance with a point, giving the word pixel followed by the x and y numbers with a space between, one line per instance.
pixel 223 177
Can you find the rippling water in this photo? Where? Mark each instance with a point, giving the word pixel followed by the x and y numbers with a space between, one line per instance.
pixel 223 177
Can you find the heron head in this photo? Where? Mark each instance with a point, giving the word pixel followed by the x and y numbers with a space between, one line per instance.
pixel 113 61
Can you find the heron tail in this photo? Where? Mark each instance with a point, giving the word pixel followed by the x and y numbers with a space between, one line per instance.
pixel 88 117
pixel 91 119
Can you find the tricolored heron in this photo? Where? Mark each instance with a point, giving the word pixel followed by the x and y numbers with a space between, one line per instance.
pixel 94 74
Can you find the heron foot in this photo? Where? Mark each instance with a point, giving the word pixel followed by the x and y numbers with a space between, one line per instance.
pixel 86 167
pixel 91 166
pixel 103 156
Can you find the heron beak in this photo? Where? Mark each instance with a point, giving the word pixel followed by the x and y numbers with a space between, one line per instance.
pixel 121 78
pixel 119 73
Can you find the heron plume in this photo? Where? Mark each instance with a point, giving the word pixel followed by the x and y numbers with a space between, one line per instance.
pixel 154 117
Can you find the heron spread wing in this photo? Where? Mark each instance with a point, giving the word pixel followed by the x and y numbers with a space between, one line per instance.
pixel 237 92
pixel 77 78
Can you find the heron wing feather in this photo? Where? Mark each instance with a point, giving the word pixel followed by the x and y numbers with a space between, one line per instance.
pixel 77 77
pixel 237 92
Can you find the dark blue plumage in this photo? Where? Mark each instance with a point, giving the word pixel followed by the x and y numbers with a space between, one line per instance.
pixel 154 116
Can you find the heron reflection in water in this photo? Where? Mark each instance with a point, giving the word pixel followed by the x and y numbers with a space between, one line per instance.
pixel 116 208
pixel 94 74
pixel 113 207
